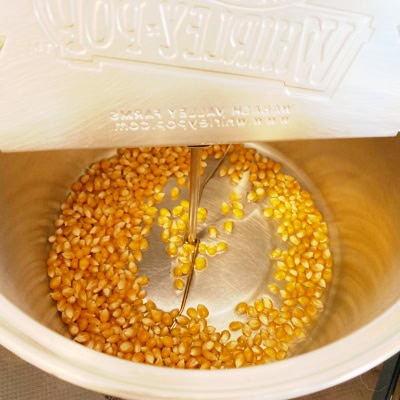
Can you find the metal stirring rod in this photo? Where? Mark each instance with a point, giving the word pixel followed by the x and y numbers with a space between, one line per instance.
pixel 196 187
pixel 194 199
pixel 195 192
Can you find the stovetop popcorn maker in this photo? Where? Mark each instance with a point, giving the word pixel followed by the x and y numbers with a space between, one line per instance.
pixel 117 73
pixel 291 108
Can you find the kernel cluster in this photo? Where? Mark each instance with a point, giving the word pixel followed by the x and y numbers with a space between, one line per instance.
pixel 102 231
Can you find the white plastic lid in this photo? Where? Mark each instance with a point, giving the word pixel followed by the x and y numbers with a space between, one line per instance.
pixel 111 73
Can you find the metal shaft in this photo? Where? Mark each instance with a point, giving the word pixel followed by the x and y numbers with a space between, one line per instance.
pixel 196 189
pixel 194 196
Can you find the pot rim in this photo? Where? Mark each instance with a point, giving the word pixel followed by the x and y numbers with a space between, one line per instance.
pixel 299 375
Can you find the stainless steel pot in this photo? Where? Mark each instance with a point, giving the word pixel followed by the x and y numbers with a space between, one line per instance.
pixel 359 181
